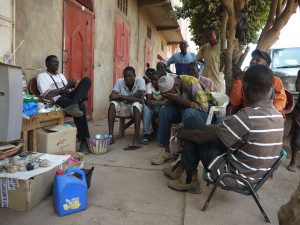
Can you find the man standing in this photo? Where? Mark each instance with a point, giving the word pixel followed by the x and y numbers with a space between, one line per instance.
pixel 295 140
pixel 247 144
pixel 55 89
pixel 237 96
pixel 127 100
pixel 181 59
pixel 186 98
pixel 210 53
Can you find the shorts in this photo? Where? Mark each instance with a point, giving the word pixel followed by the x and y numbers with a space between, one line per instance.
pixel 126 109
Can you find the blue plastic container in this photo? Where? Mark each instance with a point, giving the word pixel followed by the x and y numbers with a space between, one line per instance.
pixel 69 192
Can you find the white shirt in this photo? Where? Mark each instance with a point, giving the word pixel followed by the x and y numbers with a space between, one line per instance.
pixel 46 83
pixel 121 88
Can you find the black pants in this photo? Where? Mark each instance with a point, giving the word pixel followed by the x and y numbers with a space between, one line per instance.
pixel 193 153
pixel 78 96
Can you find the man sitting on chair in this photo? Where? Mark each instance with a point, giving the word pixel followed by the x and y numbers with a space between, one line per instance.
pixel 127 100
pixel 246 144
pixel 55 89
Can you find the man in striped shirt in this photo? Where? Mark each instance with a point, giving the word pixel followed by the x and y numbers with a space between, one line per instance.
pixel 247 144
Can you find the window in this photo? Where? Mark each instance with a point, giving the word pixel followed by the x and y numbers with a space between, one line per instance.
pixel 149 32
pixel 123 6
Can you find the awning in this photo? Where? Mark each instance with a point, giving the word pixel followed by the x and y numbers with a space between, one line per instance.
pixel 158 11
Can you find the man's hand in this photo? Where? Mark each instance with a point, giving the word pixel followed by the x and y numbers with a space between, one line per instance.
pixel 178 131
pixel 139 94
pixel 177 97
pixel 71 84
pixel 152 104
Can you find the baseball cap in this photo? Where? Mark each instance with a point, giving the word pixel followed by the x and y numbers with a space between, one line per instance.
pixel 262 54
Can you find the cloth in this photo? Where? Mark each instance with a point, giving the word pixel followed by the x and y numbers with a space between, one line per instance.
pixel 238 98
pixel 149 115
pixel 166 83
pixel 172 114
pixel 181 61
pixel 211 56
pixel 124 109
pixel 78 96
pixel 46 83
pixel 295 140
pixel 206 82
pixel 150 90
pixel 121 88
pixel 199 95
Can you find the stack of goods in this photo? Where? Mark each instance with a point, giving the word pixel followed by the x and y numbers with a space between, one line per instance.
pixel 22 163
pixel 30 105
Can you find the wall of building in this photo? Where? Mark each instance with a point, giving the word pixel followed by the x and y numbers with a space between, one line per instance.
pixel 39 24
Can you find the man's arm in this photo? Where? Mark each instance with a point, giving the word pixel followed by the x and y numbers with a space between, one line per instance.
pixel 280 96
pixel 114 96
pixel 178 99
pixel 198 136
pixel 170 61
pixel 236 96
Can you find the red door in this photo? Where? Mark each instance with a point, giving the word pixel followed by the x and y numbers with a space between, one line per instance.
pixel 121 48
pixel 78 44
pixel 148 53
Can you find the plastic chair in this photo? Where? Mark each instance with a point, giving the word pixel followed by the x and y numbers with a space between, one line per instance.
pixel 223 101
pixel 249 189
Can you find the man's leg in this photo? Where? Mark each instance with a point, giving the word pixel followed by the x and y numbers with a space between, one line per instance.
pixel 111 119
pixel 147 118
pixel 137 116
pixel 167 116
pixel 80 93
pixel 295 143
pixel 82 129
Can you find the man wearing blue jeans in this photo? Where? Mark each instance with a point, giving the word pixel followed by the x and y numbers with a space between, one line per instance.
pixel 187 98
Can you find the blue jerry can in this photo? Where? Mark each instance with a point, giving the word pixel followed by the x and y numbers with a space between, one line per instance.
pixel 69 192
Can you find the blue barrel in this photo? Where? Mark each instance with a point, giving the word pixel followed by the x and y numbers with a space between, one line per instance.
pixel 69 192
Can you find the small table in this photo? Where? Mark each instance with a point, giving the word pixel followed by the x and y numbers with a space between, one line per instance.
pixel 30 127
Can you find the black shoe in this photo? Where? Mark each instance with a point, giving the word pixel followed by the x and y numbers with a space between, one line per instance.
pixel 73 110
pixel 84 148
pixel 146 139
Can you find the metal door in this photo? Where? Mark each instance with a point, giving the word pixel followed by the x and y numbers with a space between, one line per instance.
pixel 78 44
pixel 121 48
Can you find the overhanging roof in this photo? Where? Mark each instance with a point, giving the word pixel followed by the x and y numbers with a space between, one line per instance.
pixel 158 11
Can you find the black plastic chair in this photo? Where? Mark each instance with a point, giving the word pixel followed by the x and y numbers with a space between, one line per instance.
pixel 249 189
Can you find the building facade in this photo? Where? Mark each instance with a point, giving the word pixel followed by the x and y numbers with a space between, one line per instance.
pixel 96 38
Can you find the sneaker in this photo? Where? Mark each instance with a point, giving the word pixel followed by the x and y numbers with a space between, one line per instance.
pixel 162 158
pixel 173 170
pixel 84 148
pixel 182 184
pixel 146 139
pixel 73 110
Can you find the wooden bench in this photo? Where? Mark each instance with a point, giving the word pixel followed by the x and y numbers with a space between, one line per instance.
pixel 30 127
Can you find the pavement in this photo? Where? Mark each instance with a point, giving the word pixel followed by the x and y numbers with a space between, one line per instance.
pixel 127 190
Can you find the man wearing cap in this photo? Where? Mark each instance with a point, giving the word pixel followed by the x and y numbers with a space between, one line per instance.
pixel 237 97
pixel 182 58
pixel 187 99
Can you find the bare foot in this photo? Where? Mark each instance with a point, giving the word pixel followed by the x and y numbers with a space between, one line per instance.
pixel 292 167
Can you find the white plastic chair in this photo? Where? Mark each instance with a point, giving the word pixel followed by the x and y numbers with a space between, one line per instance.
pixel 223 101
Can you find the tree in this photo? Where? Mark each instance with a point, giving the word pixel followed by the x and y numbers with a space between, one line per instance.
pixel 270 16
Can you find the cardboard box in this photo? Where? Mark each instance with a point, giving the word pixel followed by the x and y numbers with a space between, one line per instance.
pixel 24 190
pixel 56 139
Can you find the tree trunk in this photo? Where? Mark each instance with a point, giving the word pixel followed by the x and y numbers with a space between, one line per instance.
pixel 278 17
pixel 241 60
pixel 223 29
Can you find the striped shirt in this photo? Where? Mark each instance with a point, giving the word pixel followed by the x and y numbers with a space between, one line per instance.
pixel 254 138
pixel 198 94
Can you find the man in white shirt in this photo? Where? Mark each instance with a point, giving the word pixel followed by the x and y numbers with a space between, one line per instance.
pixel 127 100
pixel 55 89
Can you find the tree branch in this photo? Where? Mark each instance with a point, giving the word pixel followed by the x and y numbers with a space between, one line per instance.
pixel 271 16
pixel 223 29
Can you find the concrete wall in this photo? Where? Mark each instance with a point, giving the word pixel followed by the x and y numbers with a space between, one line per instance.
pixel 39 24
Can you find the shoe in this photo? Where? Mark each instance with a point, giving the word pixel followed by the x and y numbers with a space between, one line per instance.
pixel 84 148
pixel 145 140
pixel 73 110
pixel 183 183
pixel 162 158
pixel 173 170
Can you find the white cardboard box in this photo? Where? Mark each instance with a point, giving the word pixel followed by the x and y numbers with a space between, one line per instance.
pixel 24 190
pixel 56 139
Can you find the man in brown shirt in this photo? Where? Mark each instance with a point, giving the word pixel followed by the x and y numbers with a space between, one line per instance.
pixel 247 144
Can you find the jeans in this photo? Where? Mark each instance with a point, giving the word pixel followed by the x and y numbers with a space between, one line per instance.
pixel 171 114
pixel 78 96
pixel 149 115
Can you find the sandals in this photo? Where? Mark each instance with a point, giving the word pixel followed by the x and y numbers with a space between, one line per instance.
pixel 145 140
